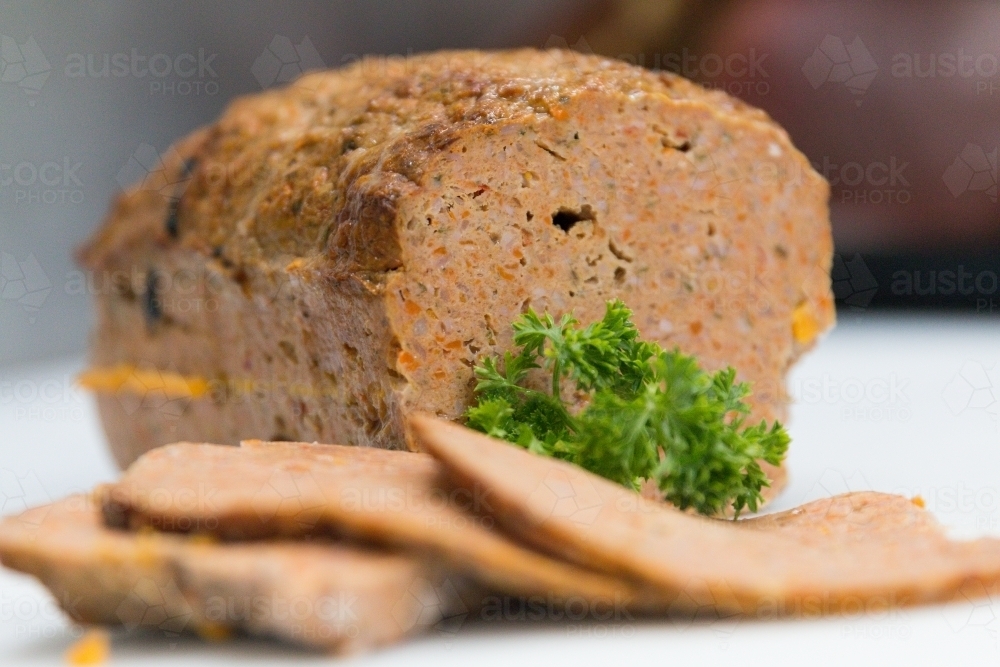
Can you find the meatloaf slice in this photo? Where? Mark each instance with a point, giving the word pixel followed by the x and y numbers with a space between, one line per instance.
pixel 859 551
pixel 323 595
pixel 295 490
pixel 330 257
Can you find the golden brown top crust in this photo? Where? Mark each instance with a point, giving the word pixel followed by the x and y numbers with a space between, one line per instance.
pixel 281 172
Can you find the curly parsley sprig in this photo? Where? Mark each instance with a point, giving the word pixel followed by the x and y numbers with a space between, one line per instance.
pixel 649 414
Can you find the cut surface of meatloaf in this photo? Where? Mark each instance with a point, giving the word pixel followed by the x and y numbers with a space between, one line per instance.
pixel 332 256
pixel 323 595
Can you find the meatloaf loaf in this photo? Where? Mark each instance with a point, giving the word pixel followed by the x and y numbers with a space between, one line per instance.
pixel 331 256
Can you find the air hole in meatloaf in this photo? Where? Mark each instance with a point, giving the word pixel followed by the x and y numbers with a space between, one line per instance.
pixel 565 218
pixel 619 275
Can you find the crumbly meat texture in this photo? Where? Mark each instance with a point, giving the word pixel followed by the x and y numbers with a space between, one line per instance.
pixel 330 257
pixel 344 598
pixel 841 554
pixel 296 490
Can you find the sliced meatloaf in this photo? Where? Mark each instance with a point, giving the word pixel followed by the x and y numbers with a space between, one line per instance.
pixel 297 490
pixel 330 257
pixel 329 596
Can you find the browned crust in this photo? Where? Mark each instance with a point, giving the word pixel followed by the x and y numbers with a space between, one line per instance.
pixel 389 117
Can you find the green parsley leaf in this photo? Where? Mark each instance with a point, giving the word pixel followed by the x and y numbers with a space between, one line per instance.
pixel 648 413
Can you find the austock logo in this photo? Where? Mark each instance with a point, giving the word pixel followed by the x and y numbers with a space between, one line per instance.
pixel 559 42
pixel 833 61
pixel 328 616
pixel 833 483
pixel 49 182
pixel 146 167
pixel 143 389
pixel 290 492
pixel 876 182
pixel 981 67
pixel 869 399
pixel 568 496
pixel 702 603
pixel 31 616
pixel 55 398
pixel 426 604
pixel 972 611
pixel 740 73
pixel 23 282
pixel 281 61
pixel 159 605
pixel 150 170
pixel 974 170
pixel 20 492
pixel 24 65
pixel 182 74
pixel 975 387
pixel 852 281
pixel 597 616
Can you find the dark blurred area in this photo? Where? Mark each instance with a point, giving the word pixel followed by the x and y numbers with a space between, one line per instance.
pixel 896 103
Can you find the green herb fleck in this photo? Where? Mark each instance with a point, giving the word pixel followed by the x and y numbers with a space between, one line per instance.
pixel 648 413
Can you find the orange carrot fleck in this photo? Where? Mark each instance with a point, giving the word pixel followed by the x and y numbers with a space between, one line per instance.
pixel 407 361
pixel 92 648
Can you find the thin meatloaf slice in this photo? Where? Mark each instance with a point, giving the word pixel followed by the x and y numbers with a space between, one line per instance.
pixel 323 595
pixel 836 555
pixel 296 490
pixel 330 257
